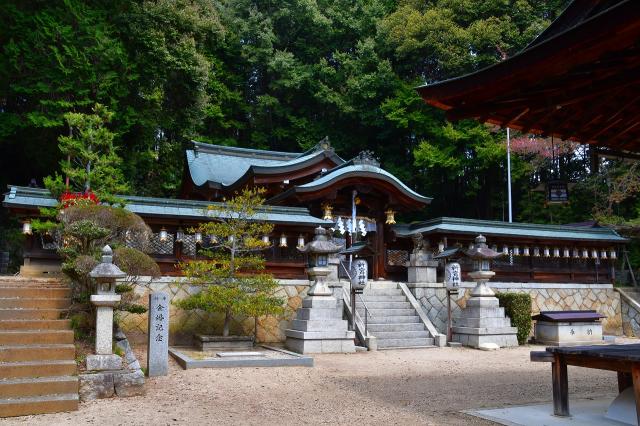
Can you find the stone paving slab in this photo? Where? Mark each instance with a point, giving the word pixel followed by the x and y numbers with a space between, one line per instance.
pixel 586 412
pixel 189 357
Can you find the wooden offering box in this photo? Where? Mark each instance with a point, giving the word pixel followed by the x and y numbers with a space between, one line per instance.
pixel 567 328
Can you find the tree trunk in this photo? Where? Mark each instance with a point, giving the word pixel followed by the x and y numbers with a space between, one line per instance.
pixel 227 321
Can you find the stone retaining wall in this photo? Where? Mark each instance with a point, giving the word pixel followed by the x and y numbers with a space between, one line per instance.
pixel 544 297
pixel 183 324
pixel 630 314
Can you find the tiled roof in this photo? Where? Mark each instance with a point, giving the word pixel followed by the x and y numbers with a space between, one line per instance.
pixel 505 229
pixel 34 198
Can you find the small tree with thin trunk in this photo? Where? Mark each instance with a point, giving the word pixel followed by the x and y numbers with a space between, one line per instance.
pixel 232 275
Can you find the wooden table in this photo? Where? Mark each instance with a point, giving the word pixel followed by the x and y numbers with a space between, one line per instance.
pixel 625 359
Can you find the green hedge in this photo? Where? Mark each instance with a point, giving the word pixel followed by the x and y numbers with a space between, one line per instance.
pixel 517 306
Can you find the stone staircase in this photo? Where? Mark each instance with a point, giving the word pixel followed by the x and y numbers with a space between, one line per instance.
pixel 37 355
pixel 393 321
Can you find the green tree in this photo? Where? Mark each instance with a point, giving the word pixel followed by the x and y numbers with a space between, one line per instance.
pixel 231 276
pixel 91 162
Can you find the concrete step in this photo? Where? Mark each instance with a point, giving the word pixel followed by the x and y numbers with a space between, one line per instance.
pixel 32 303
pixel 38 386
pixel 31 314
pixel 398 298
pixel 42 352
pixel 35 292
pixel 37 368
pixel 383 305
pixel 412 326
pixel 52 324
pixel 404 343
pixel 400 334
pixel 383 292
pixel 32 337
pixel 377 313
pixel 396 319
pixel 38 404
pixel 32 283
pixel 380 285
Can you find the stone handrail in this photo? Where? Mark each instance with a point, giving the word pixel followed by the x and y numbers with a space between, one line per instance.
pixel 439 339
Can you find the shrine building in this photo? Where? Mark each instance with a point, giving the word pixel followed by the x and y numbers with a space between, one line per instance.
pixel 356 197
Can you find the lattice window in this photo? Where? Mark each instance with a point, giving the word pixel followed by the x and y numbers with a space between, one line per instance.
pixel 397 257
pixel 189 245
pixel 51 241
pixel 161 247
pixel 133 241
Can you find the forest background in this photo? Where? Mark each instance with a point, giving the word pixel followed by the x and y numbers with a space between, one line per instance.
pixel 282 75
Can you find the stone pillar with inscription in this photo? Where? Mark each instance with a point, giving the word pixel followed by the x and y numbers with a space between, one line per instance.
pixel 158 347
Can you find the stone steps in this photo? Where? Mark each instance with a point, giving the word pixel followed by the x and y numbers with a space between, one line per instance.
pixel 39 386
pixel 382 335
pixel 38 404
pixel 388 312
pixel 35 337
pixel 33 303
pixel 404 343
pixel 35 292
pixel 383 305
pixel 396 319
pixel 375 329
pixel 58 324
pixel 10 353
pixel 370 298
pixel 31 314
pixel 37 355
pixel 383 292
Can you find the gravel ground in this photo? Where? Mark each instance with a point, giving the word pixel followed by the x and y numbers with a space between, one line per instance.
pixel 417 386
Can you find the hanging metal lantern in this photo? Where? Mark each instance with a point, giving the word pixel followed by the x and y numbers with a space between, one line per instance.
pixel 198 237
pixel 525 251
pixel 163 235
pixel 594 254
pixel 213 239
pixel 391 217
pixel 505 250
pixel 283 240
pixel 26 227
pixel 585 253
pixel 327 211
pixel 494 247
pixel 546 252
pixel 603 254
pixel 536 252
pixel 556 252
pixel 566 252
pixel 300 240
pixel 179 235
pixel 232 238
pixel 265 239
pixel 576 253
pixel 612 253
pixel 440 247
pixel 516 251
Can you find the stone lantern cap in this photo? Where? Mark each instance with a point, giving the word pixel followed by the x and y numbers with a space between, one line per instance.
pixel 106 269
pixel 481 251
pixel 320 244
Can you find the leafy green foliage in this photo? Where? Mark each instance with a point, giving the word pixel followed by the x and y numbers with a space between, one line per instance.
pixel 517 306
pixel 231 277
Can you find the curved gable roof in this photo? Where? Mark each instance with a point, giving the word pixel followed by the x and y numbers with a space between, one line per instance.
pixel 223 166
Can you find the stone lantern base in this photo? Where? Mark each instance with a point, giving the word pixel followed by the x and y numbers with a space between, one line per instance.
pixel 319 328
pixel 483 324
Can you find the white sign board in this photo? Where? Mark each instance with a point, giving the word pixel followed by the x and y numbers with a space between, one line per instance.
pixel 453 275
pixel 359 273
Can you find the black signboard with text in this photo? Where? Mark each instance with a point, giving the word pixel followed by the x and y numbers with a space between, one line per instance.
pixel 557 192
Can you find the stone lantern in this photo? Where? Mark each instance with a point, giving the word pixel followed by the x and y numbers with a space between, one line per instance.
pixel 318 326
pixel 105 298
pixel 482 323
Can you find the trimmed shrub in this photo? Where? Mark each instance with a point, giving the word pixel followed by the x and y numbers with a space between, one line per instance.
pixel 517 306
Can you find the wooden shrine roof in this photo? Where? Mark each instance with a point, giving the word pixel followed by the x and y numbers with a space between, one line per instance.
pixel 579 80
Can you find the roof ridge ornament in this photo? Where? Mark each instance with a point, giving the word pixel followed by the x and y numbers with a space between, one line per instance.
pixel 366 158
pixel 324 145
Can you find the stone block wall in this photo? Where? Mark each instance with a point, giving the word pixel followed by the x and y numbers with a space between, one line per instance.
pixel 544 297
pixel 630 313
pixel 184 324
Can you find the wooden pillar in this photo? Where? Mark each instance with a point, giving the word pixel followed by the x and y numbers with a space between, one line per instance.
pixel 560 381
pixel 378 269
pixel 624 381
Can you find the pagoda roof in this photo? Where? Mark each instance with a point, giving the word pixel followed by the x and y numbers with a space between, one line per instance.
pixel 456 225
pixel 220 166
pixel 35 198
pixel 578 80
pixel 361 167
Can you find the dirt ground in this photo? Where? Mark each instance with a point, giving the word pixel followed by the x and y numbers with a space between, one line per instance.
pixel 417 386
